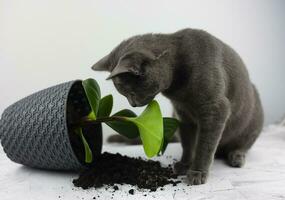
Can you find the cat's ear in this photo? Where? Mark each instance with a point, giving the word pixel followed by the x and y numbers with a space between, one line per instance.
pixel 121 69
pixel 102 65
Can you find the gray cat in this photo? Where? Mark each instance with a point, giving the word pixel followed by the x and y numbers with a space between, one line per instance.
pixel 208 85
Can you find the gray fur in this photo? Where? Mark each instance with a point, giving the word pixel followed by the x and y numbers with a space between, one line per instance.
pixel 208 85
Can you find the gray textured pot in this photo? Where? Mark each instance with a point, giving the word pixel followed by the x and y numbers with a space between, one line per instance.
pixel 35 132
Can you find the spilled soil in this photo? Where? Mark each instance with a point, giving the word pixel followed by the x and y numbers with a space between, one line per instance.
pixel 111 169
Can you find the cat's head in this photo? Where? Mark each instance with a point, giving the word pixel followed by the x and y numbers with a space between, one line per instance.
pixel 139 75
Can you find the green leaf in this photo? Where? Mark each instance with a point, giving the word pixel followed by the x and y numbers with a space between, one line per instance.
pixel 125 113
pixel 93 94
pixel 123 127
pixel 88 152
pixel 150 125
pixel 169 127
pixel 105 106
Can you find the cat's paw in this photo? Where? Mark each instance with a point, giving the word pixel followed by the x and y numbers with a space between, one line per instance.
pixel 181 168
pixel 236 158
pixel 196 177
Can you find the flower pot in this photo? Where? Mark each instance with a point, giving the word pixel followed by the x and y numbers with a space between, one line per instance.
pixel 36 131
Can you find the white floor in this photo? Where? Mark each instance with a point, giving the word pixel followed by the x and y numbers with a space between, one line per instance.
pixel 263 177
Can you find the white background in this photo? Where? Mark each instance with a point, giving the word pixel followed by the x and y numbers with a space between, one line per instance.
pixel 43 43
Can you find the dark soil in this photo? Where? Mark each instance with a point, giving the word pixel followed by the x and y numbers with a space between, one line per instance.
pixel 77 108
pixel 111 169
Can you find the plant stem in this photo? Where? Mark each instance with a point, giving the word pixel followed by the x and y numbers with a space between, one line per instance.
pixel 85 122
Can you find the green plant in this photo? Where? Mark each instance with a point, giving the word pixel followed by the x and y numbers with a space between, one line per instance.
pixel 154 130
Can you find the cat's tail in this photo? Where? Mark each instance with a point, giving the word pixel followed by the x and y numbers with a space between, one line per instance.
pixel 124 140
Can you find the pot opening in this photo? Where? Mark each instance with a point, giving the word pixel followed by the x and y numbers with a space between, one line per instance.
pixel 77 108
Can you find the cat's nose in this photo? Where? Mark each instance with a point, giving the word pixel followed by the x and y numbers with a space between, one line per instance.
pixel 132 102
